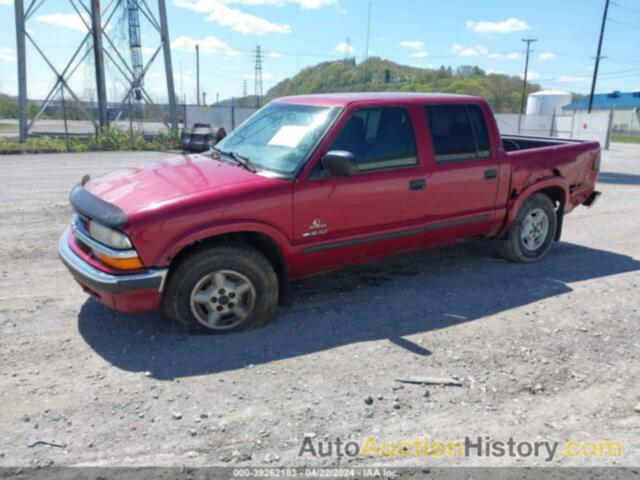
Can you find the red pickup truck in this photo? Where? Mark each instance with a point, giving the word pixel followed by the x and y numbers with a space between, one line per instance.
pixel 315 183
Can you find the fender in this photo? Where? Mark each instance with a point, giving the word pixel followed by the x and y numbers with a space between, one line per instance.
pixel 523 195
pixel 204 232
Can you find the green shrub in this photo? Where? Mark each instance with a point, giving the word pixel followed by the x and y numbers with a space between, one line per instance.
pixel 108 139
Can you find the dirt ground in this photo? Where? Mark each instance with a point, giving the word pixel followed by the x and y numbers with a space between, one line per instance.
pixel 548 351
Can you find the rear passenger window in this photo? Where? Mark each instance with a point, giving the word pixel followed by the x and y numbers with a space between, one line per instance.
pixel 379 138
pixel 458 132
pixel 480 130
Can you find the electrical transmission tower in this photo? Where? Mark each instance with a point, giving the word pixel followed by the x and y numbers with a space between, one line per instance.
pixel 135 47
pixel 347 49
pixel 258 75
pixel 244 88
pixel 95 22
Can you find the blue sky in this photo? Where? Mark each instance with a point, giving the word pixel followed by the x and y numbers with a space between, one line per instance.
pixel 297 33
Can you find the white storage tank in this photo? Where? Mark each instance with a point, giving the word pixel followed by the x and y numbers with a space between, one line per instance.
pixel 547 102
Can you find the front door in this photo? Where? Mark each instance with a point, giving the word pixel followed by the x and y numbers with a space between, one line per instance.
pixel 339 220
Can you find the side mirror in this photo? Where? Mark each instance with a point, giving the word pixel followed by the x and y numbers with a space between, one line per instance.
pixel 339 163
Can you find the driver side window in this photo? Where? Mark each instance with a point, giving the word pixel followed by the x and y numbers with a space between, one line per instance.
pixel 379 138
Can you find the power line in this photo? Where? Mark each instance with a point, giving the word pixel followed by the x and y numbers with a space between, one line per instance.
pixel 625 7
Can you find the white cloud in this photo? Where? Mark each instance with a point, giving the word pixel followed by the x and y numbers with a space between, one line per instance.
pixel 315 4
pixel 304 4
pixel 219 12
pixel 206 44
pixel 531 75
pixel 6 55
pixel 572 79
pixel 461 51
pixel 505 56
pixel 481 51
pixel 342 47
pixel 71 21
pixel 414 44
pixel 420 54
pixel 274 55
pixel 148 50
pixel 507 26
pixel 547 56
pixel 6 2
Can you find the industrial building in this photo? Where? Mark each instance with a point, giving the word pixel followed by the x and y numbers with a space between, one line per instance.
pixel 624 106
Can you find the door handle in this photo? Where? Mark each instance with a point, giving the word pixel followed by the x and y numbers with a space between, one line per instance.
pixel 417 184
pixel 489 174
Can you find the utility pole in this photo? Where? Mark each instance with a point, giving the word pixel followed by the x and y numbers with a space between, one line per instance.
pixel 258 75
pixel 22 69
pixel 366 49
pixel 168 65
pixel 181 82
pixel 598 56
pixel 528 41
pixel 101 86
pixel 198 73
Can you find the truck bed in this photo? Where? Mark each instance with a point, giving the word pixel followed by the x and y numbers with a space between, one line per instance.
pixel 535 158
pixel 512 143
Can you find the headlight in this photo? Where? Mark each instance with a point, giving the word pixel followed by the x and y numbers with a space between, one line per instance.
pixel 108 236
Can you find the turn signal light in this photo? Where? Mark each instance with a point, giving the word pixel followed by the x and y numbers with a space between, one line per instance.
pixel 121 263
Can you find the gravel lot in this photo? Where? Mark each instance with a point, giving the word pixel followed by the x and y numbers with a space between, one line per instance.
pixel 545 352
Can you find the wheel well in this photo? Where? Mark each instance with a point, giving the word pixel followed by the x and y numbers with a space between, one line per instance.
pixel 556 194
pixel 259 241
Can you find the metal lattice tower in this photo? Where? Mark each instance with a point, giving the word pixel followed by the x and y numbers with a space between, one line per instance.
pixel 347 49
pixel 97 40
pixel 244 88
pixel 135 46
pixel 258 74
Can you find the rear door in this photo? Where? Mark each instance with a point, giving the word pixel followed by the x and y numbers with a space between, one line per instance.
pixel 380 209
pixel 463 181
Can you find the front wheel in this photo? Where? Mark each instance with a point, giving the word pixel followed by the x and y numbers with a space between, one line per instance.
pixel 223 288
pixel 531 235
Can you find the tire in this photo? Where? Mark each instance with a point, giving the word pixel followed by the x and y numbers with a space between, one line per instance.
pixel 211 288
pixel 516 246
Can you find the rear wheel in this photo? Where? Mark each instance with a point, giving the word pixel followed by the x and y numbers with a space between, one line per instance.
pixel 531 235
pixel 223 288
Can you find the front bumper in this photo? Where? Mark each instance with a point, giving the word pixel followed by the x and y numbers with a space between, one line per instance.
pixel 134 292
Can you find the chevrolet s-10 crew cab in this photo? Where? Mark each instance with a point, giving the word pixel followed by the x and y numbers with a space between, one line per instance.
pixel 314 183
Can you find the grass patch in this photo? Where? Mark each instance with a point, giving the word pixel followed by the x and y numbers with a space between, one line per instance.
pixel 109 139
pixel 625 138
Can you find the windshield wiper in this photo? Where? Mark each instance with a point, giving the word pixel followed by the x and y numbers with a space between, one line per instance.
pixel 245 162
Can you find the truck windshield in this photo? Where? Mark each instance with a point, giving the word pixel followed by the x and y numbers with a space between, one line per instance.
pixel 279 136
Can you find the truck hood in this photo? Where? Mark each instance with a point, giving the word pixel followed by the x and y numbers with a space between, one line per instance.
pixel 148 187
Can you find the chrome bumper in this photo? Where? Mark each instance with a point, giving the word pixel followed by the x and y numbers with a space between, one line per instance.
pixel 152 278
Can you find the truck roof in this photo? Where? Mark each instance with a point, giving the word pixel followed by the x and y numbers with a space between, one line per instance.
pixel 344 99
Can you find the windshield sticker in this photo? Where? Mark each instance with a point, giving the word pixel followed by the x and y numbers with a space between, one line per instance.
pixel 289 136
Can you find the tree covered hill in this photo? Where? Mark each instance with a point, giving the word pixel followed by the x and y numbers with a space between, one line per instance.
pixel 502 91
